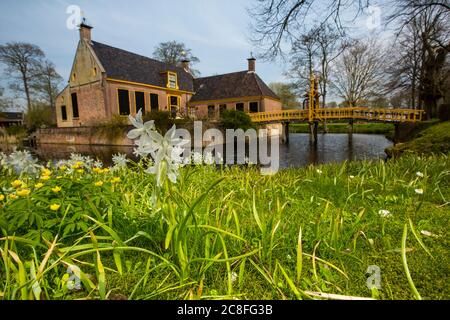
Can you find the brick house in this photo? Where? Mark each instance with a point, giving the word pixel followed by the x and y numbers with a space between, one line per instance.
pixel 106 81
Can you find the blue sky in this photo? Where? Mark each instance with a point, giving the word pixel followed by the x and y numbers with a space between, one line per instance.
pixel 217 31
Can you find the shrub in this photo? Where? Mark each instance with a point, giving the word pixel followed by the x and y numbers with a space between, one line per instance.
pixel 112 128
pixel 163 120
pixel 234 119
pixel 40 116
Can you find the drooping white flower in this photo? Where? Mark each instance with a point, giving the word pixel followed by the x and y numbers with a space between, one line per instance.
pixel 352 177
pixel 384 213
pixel 319 171
pixel 167 158
pixel 419 174
pixel 418 191
pixel 141 127
pixel 234 276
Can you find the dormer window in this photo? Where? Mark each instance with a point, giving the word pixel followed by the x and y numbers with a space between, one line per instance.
pixel 172 81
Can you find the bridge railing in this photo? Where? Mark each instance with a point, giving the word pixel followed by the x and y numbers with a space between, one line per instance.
pixel 356 113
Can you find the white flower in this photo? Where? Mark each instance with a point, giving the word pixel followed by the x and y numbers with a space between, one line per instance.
pixel 289 257
pixel 234 276
pixel 384 213
pixel 352 177
pixel 141 127
pixel 98 164
pixel 119 161
pixel 418 191
pixel 208 158
pixel 419 174
pixel 197 158
pixel 370 241
pixel 167 158
pixel 219 158
pixel 22 162
pixel 319 171
pixel 427 233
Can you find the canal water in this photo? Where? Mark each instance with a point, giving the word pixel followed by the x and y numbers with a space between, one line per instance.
pixel 299 152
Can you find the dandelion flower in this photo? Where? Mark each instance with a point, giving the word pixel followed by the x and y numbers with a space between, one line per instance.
pixel 2 197
pixel 419 174
pixel 63 168
pixel 54 207
pixel 105 170
pixel 97 170
pixel 44 177
pixel 23 192
pixel 384 213
pixel 16 184
pixel 80 170
pixel 98 183
pixel 56 189
pixel 38 185
pixel 13 196
pixel 46 172
pixel 419 191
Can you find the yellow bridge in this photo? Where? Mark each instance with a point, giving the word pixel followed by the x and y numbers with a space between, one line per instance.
pixel 324 114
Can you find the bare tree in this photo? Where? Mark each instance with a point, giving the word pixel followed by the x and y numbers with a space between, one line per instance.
pixel 420 56
pixel 315 52
pixel 303 58
pixel 174 53
pixel 358 72
pixel 278 22
pixel 331 45
pixel 21 60
pixel 47 82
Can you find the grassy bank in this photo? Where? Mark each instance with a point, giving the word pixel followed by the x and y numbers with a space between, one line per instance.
pixel 431 137
pixel 374 128
pixel 228 232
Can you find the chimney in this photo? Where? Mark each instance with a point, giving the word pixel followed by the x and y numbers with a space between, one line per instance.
pixel 185 65
pixel 251 64
pixel 85 31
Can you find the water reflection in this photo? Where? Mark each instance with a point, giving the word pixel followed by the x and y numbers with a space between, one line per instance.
pixel 302 151
pixel 299 152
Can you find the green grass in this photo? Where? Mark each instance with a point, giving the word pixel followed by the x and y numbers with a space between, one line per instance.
pixel 432 138
pixel 374 128
pixel 231 233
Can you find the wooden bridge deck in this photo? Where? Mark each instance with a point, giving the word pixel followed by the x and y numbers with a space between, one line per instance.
pixel 355 113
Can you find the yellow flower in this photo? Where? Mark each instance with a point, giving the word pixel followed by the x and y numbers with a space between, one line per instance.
pixel 16 183
pixel 55 207
pixel 106 170
pixel 38 185
pixel 115 180
pixel 23 192
pixel 98 183
pixel 45 177
pixel 46 172
pixel 97 170
pixel 80 171
pixel 59 177
pixel 56 189
pixel 13 196
pixel 2 197
pixel 63 168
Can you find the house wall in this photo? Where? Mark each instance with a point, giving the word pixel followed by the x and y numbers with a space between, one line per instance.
pixel 86 80
pixel 200 109
pixel 112 88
